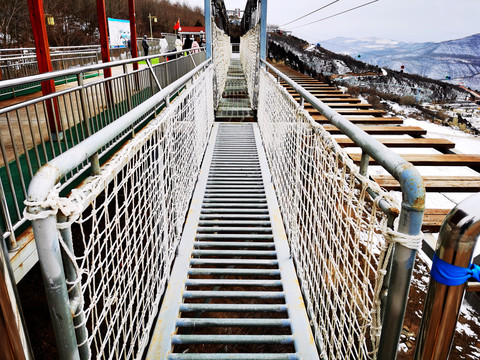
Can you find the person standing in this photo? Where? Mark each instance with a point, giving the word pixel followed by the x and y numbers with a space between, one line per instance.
pixel 187 45
pixel 145 45
pixel 163 45
pixel 178 44
pixel 195 45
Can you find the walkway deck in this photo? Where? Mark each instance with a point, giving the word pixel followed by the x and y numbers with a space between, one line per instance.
pixel 235 103
pixel 233 293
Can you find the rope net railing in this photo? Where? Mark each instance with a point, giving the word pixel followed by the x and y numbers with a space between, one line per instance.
pixel 127 221
pixel 249 57
pixel 337 234
pixel 222 52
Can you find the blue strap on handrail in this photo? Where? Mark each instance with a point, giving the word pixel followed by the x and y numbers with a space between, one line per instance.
pixel 452 275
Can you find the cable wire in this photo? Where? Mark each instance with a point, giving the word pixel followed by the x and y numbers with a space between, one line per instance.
pixel 340 13
pixel 310 13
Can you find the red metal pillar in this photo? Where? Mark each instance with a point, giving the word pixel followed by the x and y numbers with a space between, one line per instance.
pixel 102 28
pixel 37 19
pixel 133 31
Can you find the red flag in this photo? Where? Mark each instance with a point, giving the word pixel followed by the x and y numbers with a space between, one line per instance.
pixel 177 25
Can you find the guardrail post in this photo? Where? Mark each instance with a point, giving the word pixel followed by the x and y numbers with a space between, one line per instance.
pixel 127 87
pixel 76 297
pixel 456 242
pixel 48 248
pixel 402 261
pixel 12 244
pixel 86 121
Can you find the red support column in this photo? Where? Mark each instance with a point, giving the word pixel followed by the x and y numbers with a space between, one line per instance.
pixel 102 28
pixel 37 19
pixel 133 31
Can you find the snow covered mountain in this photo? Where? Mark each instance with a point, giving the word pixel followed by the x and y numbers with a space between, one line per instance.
pixel 458 59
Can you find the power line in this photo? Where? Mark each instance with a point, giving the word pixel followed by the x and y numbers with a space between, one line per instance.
pixel 310 13
pixel 340 13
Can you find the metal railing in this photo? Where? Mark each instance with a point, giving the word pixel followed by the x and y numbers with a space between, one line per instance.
pixel 458 236
pixel 37 130
pixel 13 67
pixel 15 63
pixel 410 218
pixel 155 174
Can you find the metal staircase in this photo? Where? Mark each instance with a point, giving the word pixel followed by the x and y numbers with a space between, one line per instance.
pixel 233 292
pixel 235 103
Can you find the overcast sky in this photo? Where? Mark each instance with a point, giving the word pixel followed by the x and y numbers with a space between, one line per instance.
pixel 405 20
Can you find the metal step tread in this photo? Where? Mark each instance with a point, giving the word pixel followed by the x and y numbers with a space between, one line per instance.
pixel 233 260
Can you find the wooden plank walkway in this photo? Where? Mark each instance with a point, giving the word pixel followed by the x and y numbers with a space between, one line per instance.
pixel 377 122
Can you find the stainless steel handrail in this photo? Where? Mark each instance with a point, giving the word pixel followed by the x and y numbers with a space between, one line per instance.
pixel 456 242
pixel 75 71
pixel 53 54
pixel 45 230
pixel 410 220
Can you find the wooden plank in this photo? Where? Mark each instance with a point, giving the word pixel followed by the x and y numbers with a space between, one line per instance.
pixel 25 257
pixel 316 91
pixel 353 112
pixel 436 183
pixel 337 94
pixel 433 218
pixel 405 142
pixel 340 105
pixel 346 100
pixel 313 88
pixel 363 120
pixel 433 159
pixel 382 130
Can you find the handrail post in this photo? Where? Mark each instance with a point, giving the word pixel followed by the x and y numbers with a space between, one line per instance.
pixel 456 242
pixel 55 285
pixel 95 163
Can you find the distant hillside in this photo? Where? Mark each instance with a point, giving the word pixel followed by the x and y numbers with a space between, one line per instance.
pixel 319 62
pixel 458 59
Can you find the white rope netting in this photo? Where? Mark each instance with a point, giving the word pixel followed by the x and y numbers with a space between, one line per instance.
pixel 249 57
pixel 221 54
pixel 335 230
pixel 126 223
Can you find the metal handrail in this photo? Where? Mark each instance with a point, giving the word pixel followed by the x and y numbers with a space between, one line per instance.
pixel 124 87
pixel 45 231
pixel 53 54
pixel 75 71
pixel 410 220
pixel 456 242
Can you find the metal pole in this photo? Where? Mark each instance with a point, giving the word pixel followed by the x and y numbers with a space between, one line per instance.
pixel 208 28
pixel 456 242
pixel 49 254
pixel 133 32
pixel 150 18
pixel 75 292
pixel 94 162
pixel 263 29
